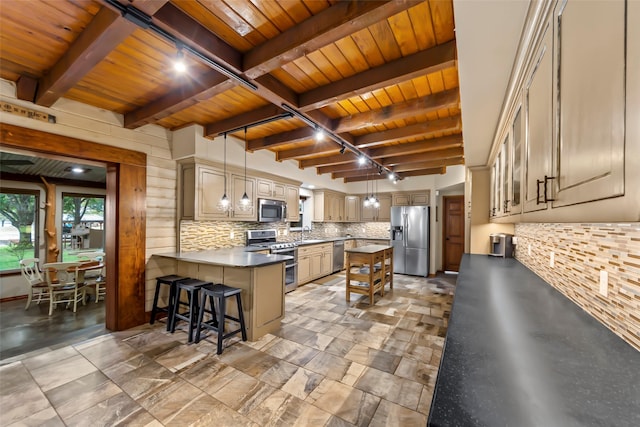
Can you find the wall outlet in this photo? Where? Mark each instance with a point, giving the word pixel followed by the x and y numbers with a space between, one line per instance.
pixel 529 250
pixel 285 232
pixel 364 230
pixel 552 260
pixel 232 235
pixel 604 283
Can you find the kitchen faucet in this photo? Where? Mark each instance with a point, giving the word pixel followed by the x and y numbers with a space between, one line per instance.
pixel 305 228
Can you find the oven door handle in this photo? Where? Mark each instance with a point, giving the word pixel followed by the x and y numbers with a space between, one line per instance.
pixel 291 265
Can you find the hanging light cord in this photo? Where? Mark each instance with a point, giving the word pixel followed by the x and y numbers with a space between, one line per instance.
pixel 245 160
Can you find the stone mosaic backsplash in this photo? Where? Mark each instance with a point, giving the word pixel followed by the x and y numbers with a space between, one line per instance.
pixel 580 253
pixel 200 235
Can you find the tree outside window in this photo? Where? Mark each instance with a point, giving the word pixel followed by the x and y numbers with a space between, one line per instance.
pixel 82 224
pixel 18 232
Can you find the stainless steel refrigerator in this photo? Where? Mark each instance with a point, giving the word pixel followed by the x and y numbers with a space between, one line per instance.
pixel 410 239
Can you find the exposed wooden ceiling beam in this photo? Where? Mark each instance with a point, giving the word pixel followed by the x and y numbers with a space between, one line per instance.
pixel 364 178
pixel 325 147
pixel 418 64
pixel 427 104
pixel 332 24
pixel 191 32
pixel 296 135
pixel 357 172
pixel 104 33
pixel 263 113
pixel 424 129
pixel 344 167
pixel 327 160
pixel 425 145
pixel 428 164
pixel 432 171
pixel 207 86
pixel 423 157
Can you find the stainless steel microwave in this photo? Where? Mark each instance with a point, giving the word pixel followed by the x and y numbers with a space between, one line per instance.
pixel 271 210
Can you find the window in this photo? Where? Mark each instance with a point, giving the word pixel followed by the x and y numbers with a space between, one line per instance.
pixel 19 230
pixel 82 224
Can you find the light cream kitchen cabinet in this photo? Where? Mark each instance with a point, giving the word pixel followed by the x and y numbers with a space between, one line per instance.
pixel 591 129
pixel 382 213
pixel 293 202
pixel 419 198
pixel 201 188
pixel 352 208
pixel 348 244
pixel 328 206
pixel 314 261
pixel 240 185
pixel 580 134
pixel 269 189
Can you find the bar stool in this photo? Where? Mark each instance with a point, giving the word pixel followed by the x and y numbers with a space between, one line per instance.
pixel 192 288
pixel 170 281
pixel 220 293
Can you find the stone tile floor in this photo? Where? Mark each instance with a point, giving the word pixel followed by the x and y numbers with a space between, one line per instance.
pixel 332 363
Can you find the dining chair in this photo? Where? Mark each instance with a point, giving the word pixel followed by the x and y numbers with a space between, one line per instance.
pixel 36 285
pixel 64 287
pixel 91 274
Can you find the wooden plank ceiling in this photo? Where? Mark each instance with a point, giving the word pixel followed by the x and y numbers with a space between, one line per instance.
pixel 379 77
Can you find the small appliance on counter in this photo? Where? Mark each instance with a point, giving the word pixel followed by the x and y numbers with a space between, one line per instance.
pixel 501 245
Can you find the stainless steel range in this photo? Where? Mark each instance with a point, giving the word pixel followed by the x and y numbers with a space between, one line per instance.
pixel 267 239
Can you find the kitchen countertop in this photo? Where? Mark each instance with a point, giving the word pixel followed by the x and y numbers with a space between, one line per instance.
pixel 369 249
pixel 519 353
pixel 334 239
pixel 232 257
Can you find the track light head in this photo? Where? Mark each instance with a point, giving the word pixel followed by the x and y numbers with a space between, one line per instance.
pixel 342 149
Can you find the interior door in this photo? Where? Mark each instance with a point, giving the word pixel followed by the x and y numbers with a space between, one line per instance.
pixel 453 232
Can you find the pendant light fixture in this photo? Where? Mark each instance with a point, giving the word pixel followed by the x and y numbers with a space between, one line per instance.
pixel 244 201
pixel 366 194
pixel 224 202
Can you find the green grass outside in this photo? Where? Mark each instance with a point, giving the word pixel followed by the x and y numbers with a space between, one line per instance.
pixel 9 261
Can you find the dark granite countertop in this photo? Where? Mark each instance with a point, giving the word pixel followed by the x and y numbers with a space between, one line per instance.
pixel 233 257
pixel 519 353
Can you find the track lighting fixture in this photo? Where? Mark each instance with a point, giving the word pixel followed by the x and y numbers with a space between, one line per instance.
pixel 362 159
pixel 392 176
pixel 342 149
pixel 179 64
pixel 319 134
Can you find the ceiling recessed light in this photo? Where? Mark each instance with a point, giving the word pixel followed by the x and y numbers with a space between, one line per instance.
pixel 311 186
pixel 76 169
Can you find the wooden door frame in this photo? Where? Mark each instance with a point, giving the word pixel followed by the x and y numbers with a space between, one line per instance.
pixel 444 226
pixel 125 215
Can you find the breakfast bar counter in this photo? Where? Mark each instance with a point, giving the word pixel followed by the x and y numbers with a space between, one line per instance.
pixel 261 278
pixel 519 353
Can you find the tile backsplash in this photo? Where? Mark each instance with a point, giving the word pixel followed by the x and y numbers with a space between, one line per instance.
pixel 200 235
pixel 580 253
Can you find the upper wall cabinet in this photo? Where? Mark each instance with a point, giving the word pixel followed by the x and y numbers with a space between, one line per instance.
pixel 567 151
pixel 265 188
pixel 416 198
pixel 590 51
pixel 328 206
pixel 293 203
pixel 538 99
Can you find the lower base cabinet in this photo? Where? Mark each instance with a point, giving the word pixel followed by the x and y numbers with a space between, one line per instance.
pixel 314 261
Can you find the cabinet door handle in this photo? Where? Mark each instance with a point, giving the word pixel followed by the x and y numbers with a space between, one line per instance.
pixel 546 180
pixel 538 182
